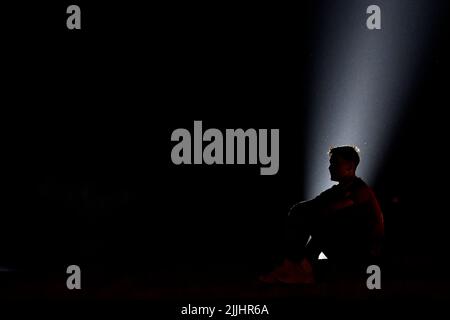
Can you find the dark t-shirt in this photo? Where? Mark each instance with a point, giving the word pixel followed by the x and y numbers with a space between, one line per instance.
pixel 350 221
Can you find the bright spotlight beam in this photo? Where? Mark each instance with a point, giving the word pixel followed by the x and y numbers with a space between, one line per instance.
pixel 361 79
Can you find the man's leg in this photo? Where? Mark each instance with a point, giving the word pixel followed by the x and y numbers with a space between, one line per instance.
pixel 295 268
pixel 299 226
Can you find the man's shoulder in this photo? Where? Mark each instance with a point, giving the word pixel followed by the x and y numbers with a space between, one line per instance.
pixel 358 189
pixel 329 191
pixel 361 185
pixel 361 191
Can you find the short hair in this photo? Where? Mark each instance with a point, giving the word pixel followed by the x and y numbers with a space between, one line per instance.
pixel 349 153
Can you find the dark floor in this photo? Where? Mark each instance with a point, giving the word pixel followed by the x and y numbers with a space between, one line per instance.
pixel 163 294
pixel 217 283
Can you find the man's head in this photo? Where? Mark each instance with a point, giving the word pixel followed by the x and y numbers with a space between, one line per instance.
pixel 343 162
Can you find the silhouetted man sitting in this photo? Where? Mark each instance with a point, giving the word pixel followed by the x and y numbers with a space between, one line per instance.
pixel 345 222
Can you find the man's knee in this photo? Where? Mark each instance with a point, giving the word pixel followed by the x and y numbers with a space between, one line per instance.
pixel 301 209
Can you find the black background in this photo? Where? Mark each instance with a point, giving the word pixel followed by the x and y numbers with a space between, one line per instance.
pixel 87 119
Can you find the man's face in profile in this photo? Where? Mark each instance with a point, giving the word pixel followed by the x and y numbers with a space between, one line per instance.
pixel 340 168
